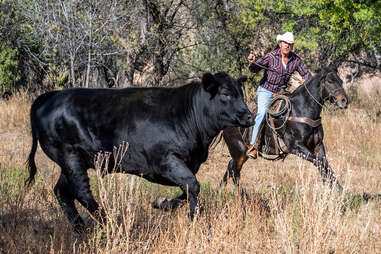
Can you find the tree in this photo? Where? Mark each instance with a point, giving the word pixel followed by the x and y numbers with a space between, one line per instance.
pixel 9 53
pixel 8 67
pixel 329 31
pixel 103 43
pixel 155 36
pixel 73 35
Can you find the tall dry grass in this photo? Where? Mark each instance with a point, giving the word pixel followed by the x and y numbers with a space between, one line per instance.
pixel 14 113
pixel 286 208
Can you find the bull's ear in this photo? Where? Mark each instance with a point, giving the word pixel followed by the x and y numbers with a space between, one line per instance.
pixel 242 79
pixel 210 83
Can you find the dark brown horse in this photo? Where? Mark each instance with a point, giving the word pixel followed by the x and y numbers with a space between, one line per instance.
pixel 297 131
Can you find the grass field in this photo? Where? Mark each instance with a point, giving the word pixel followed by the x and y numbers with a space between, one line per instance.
pixel 287 209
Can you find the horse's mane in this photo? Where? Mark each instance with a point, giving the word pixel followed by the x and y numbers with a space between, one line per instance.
pixel 314 79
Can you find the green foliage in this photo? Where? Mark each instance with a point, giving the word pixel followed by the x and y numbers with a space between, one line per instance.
pixel 221 40
pixel 352 201
pixel 56 76
pixel 335 29
pixel 8 66
pixel 63 40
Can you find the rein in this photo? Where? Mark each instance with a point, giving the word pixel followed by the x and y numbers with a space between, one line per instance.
pixel 321 96
pixel 273 70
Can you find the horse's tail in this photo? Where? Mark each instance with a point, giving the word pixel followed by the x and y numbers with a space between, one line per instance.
pixel 34 127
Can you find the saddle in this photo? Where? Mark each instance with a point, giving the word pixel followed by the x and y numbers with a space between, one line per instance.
pixel 269 140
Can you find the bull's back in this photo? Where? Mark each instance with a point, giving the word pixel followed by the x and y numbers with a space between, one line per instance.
pixel 36 106
pixel 80 118
pixel 101 119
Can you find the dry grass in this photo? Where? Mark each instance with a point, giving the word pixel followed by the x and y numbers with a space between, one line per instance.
pixel 286 209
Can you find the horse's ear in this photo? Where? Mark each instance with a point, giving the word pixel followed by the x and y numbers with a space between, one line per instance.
pixel 333 66
pixel 242 79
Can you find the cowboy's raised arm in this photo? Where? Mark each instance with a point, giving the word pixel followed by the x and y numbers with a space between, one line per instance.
pixel 255 66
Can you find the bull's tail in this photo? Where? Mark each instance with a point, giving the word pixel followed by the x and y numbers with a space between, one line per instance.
pixel 34 126
pixel 30 162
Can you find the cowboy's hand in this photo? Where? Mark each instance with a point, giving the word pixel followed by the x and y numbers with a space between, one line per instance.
pixel 250 58
pixel 302 82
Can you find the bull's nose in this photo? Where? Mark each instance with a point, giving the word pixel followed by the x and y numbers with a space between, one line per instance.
pixel 250 118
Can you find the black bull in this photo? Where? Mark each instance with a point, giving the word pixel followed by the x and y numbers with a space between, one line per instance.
pixel 169 131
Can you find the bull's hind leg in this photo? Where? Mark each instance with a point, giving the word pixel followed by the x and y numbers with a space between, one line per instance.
pixel 66 198
pixel 74 184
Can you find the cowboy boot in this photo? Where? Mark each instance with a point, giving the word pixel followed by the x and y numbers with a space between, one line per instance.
pixel 252 150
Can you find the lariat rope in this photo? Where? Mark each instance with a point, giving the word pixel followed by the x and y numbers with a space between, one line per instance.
pixel 286 109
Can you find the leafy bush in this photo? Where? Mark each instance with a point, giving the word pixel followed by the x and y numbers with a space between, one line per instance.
pixel 8 67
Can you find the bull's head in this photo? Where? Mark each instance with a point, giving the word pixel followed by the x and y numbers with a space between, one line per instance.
pixel 228 101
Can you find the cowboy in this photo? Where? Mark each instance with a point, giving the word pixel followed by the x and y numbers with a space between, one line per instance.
pixel 279 65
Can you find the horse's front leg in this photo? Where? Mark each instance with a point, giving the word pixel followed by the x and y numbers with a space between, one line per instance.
pixel 325 169
pixel 318 161
pixel 237 149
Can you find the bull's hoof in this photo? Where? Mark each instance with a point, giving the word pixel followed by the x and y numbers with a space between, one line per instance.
pixel 161 203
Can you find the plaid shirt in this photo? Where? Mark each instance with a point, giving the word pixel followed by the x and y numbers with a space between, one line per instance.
pixel 274 80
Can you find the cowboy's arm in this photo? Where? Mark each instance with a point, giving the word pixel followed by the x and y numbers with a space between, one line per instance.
pixel 255 66
pixel 303 71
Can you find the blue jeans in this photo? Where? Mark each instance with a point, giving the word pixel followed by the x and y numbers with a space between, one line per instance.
pixel 264 97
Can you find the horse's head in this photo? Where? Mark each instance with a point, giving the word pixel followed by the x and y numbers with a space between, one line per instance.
pixel 332 88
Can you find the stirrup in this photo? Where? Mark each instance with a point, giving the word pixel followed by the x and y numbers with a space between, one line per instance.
pixel 252 152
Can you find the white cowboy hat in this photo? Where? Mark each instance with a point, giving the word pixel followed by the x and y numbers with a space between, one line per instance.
pixel 287 37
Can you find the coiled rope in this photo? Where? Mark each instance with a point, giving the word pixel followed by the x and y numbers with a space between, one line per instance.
pixel 285 110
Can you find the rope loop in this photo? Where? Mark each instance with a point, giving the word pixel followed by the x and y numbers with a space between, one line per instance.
pixel 285 110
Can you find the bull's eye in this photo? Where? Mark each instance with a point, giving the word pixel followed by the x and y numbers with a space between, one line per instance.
pixel 226 97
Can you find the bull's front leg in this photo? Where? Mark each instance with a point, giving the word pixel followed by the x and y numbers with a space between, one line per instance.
pixel 318 161
pixel 178 173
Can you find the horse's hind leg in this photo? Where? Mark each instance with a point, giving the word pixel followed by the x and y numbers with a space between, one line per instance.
pixel 234 169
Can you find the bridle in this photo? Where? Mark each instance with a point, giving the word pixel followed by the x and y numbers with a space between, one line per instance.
pixel 330 93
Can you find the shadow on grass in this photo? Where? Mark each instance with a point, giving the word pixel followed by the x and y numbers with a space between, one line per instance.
pixel 27 231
